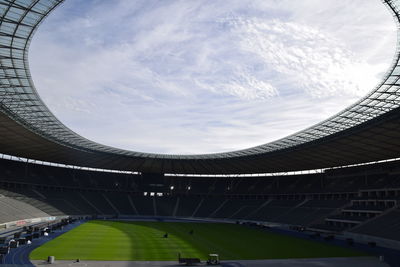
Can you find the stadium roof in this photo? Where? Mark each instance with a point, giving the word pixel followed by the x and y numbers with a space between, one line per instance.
pixel 364 132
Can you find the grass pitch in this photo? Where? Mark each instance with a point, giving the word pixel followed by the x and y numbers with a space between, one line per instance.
pixel 128 241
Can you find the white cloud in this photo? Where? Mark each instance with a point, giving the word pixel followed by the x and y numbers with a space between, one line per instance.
pixel 206 76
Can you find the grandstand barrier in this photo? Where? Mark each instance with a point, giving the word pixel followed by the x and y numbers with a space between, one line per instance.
pixel 25 222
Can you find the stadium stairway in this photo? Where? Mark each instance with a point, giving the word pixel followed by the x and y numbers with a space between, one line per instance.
pixel 385 225
pixel 176 207
pixel 121 203
pixel 165 206
pixel 135 212
pixel 94 207
pixel 257 210
pixel 187 206
pixel 285 213
pixel 40 195
pixel 358 212
pixel 197 207
pixel 114 208
pixel 208 206
pixel 154 206
pixel 220 207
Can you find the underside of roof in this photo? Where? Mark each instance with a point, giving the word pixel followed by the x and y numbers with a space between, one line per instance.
pixel 366 131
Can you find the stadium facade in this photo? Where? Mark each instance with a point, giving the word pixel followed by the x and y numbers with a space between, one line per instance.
pixel 360 202
pixel 364 132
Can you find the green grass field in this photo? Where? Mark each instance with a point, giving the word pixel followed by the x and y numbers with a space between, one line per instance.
pixel 113 240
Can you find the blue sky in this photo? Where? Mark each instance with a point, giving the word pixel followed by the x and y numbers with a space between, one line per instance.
pixel 191 77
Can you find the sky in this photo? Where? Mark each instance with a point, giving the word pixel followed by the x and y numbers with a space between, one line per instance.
pixel 206 76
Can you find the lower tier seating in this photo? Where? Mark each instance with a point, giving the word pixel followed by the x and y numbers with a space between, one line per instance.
pixel 15 210
pixel 325 214
pixel 386 226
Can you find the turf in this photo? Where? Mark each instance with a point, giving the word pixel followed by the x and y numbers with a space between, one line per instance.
pixel 113 240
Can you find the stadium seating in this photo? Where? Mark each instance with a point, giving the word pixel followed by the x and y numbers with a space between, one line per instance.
pixel 386 226
pixel 14 210
pixel 208 206
pixel 187 206
pixel 144 205
pixel 336 200
pixel 165 206
pixel 121 202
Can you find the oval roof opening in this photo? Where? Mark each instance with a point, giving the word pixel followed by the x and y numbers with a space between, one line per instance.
pixel 207 76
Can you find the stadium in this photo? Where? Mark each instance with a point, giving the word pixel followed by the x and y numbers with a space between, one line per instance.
pixel 325 196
